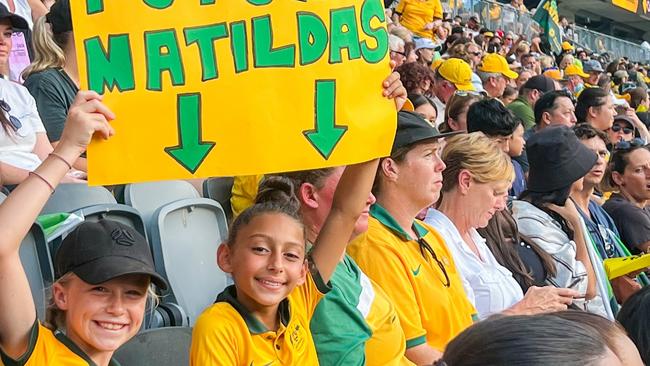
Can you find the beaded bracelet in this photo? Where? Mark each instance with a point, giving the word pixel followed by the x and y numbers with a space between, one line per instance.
pixel 62 159
pixel 44 180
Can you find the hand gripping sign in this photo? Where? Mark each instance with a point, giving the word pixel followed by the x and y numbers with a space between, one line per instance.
pixel 234 87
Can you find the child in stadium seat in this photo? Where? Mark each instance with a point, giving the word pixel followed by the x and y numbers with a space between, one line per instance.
pixel 99 297
pixel 264 317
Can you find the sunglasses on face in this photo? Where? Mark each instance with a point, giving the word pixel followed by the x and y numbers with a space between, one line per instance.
pixel 15 122
pixel 626 145
pixel 425 246
pixel 477 53
pixel 403 54
pixel 618 128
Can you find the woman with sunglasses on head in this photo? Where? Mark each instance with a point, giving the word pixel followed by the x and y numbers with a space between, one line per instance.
pixel 475 188
pixel 23 141
pixel 629 172
pixel 406 256
pixel 99 297
pixel 456 110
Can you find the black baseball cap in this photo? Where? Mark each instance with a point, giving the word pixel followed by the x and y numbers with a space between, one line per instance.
pixel 541 83
pixel 557 159
pixel 16 20
pixel 101 251
pixel 412 128
pixel 59 17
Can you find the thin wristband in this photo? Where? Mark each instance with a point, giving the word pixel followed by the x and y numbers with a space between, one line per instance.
pixel 44 180
pixel 62 159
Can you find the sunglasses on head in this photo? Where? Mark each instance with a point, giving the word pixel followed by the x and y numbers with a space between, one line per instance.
pixel 618 128
pixel 465 93
pixel 15 122
pixel 626 145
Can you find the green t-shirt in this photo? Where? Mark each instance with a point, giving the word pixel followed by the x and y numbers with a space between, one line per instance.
pixel 356 323
pixel 54 93
pixel 522 109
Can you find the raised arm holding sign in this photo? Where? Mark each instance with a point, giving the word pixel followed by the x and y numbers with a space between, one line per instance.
pixel 207 88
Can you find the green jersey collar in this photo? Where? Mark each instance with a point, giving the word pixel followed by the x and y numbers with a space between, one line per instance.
pixel 380 213
pixel 61 337
pixel 229 295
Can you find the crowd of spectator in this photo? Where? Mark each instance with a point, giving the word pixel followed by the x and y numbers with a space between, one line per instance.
pixel 483 238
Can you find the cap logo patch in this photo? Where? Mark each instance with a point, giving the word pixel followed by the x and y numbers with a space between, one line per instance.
pixel 122 237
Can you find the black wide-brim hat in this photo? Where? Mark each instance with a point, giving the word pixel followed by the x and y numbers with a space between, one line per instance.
pixel 16 20
pixel 557 159
pixel 413 128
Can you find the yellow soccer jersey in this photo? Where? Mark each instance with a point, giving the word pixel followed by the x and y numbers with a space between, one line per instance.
pixel 432 308
pixel 228 334
pixel 50 348
pixel 415 14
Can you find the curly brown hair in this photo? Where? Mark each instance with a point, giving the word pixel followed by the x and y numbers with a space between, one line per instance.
pixel 413 75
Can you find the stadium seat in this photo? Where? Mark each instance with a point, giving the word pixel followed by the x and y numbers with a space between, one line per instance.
pixel 148 197
pixel 35 258
pixel 185 236
pixel 71 197
pixel 160 347
pixel 220 190
pixel 166 315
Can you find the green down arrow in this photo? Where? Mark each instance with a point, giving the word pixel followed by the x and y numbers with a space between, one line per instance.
pixel 326 134
pixel 190 151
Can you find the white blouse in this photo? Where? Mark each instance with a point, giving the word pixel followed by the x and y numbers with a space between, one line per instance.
pixel 17 147
pixel 489 285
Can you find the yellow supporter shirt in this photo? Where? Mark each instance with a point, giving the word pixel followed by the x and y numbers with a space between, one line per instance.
pixel 415 14
pixel 228 334
pixel 431 309
pixel 50 348
pixel 244 191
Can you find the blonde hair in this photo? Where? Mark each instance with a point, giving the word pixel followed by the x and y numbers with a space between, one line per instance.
pixel 48 48
pixel 55 317
pixel 546 61
pixel 479 155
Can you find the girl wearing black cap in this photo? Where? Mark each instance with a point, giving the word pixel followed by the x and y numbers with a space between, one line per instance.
pixel 100 304
pixel 546 214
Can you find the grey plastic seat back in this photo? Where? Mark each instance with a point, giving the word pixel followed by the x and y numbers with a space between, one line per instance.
pixel 35 258
pixel 71 197
pixel 149 197
pixel 220 190
pixel 185 237
pixel 161 347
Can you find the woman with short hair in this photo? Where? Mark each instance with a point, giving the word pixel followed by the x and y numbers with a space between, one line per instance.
pixel 475 187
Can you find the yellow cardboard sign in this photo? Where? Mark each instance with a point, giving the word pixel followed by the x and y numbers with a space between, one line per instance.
pixel 617 267
pixel 629 5
pixel 234 87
